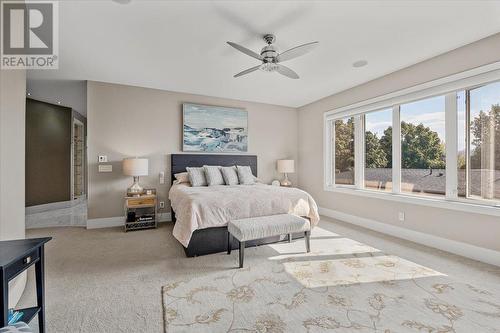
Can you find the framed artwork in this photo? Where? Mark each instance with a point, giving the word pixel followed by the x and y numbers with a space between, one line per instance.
pixel 214 129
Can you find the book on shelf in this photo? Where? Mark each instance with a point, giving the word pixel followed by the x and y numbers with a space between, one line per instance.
pixel 14 316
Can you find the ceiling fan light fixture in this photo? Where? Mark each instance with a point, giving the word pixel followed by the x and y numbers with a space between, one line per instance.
pixel 269 67
pixel 271 59
pixel 269 53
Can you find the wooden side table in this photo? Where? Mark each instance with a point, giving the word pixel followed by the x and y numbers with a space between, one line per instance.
pixel 15 257
pixel 140 212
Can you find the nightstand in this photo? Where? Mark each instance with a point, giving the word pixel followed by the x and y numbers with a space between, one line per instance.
pixel 16 256
pixel 140 212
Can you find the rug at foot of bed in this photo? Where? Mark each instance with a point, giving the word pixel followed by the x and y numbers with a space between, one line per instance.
pixel 319 293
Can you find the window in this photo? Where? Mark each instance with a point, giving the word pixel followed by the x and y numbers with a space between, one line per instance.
pixel 461 145
pixel 344 151
pixel 422 147
pixel 483 114
pixel 378 150
pixel 397 147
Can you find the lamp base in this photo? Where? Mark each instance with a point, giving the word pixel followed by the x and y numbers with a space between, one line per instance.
pixel 135 189
pixel 286 182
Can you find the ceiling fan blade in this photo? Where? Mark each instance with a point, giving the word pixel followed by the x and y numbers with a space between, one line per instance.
pixel 297 51
pixel 245 50
pixel 246 71
pixel 283 70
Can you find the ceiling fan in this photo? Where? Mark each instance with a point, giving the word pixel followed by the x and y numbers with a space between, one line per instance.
pixel 272 59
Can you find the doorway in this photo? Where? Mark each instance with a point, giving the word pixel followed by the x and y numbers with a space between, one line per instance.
pixel 78 159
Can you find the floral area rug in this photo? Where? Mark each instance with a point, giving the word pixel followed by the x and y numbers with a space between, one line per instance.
pixel 342 286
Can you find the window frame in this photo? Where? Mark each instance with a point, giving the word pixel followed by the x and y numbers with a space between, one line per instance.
pixel 447 87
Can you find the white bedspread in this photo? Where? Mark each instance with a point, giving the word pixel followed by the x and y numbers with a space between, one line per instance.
pixel 213 206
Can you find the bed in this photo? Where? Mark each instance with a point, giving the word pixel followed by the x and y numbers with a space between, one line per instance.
pixel 201 213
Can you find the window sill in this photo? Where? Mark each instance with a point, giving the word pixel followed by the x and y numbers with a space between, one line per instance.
pixel 457 205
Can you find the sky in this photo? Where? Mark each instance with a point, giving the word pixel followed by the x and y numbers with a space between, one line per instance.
pixel 484 97
pixel 377 122
pixel 431 112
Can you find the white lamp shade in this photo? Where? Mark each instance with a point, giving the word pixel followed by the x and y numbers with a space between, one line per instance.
pixel 286 166
pixel 135 166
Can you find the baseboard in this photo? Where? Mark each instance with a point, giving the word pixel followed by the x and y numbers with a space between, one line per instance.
pixel 463 249
pixel 117 221
pixel 105 222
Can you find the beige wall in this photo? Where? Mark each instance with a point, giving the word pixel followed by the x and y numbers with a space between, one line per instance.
pixel 12 127
pixel 471 228
pixel 126 121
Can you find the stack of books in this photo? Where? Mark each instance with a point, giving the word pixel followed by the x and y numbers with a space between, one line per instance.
pixel 14 316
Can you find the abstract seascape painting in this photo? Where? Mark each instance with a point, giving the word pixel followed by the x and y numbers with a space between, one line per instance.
pixel 214 129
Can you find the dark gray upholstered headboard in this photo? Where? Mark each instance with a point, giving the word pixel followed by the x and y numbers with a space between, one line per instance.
pixel 179 162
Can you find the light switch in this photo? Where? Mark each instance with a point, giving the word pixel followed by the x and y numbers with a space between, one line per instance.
pixel 106 168
pixel 401 216
pixel 162 177
pixel 103 159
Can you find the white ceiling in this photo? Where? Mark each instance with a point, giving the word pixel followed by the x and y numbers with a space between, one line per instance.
pixel 181 45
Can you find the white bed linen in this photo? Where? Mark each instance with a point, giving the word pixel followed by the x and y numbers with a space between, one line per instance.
pixel 213 206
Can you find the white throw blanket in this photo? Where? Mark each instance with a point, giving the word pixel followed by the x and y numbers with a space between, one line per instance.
pixel 214 206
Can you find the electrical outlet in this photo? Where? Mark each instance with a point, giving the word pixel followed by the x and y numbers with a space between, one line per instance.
pixel 103 159
pixel 162 204
pixel 401 216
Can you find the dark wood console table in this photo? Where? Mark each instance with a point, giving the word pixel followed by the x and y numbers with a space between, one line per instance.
pixel 15 257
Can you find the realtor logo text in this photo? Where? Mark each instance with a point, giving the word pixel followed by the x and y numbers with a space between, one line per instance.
pixel 29 35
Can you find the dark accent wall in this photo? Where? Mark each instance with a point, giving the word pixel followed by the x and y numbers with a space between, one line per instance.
pixel 48 153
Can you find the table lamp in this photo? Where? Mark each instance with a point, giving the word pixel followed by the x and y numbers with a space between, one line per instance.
pixel 286 166
pixel 135 167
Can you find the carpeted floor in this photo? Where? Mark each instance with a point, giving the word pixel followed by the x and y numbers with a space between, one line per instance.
pixel 106 280
pixel 341 285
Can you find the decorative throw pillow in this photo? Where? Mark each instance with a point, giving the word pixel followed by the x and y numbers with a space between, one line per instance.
pixel 245 175
pixel 230 175
pixel 213 175
pixel 182 177
pixel 197 176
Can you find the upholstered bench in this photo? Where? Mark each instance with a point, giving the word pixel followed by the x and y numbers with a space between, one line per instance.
pixel 266 226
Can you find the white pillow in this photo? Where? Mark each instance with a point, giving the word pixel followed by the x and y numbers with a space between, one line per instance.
pixel 230 175
pixel 245 175
pixel 182 177
pixel 213 175
pixel 197 176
